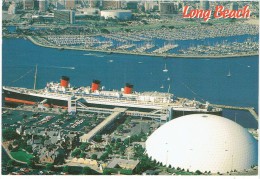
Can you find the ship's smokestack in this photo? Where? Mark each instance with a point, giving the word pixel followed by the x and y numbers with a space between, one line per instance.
pixel 95 85
pixel 128 88
pixel 64 81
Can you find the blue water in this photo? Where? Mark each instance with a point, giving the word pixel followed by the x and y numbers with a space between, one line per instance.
pixel 202 79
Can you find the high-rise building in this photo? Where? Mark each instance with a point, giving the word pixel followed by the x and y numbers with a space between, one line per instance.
pixel 94 3
pixel 70 4
pixel 43 5
pixel 204 4
pixel 36 5
pixel 60 4
pixel 168 8
pixel 28 4
pixel 111 4
pixel 149 5
pixel 132 5
pixel 234 6
pixel 12 8
pixel 64 16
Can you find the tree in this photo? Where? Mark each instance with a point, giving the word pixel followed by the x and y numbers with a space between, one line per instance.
pixel 198 172
pixel 86 171
pixel 76 152
pixel 10 163
pixel 83 146
pixel 105 31
pixel 94 156
pixel 10 147
pixel 104 156
pixel 82 155
pixel 120 128
pixel 118 140
pixel 108 149
pixel 29 149
pixel 122 149
pixel 36 159
pixel 49 166
pixel 65 169
pixel 15 142
pixel 31 164
pixel 98 138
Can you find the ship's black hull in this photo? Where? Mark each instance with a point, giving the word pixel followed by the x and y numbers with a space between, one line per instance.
pixel 14 98
pixel 11 97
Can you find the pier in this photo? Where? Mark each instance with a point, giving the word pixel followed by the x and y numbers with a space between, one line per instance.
pixel 250 109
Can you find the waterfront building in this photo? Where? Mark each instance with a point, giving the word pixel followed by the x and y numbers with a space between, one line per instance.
pixel 203 142
pixel 88 11
pixel 64 16
pixel 204 4
pixel 117 14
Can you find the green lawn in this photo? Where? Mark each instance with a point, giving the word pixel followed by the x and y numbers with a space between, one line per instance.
pixel 21 156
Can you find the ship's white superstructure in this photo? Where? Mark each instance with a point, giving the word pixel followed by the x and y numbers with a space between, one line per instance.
pixel 123 98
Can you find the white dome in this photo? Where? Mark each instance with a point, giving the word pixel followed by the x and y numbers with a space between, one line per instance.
pixel 203 142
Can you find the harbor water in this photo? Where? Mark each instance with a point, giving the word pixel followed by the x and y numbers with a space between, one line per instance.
pixel 200 79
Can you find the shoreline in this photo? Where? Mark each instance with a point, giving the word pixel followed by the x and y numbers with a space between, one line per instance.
pixel 140 54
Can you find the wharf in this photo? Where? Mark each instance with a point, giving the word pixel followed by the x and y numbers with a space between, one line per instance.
pixel 250 109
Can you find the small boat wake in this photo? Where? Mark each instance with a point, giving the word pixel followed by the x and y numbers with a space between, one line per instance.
pixel 93 54
pixel 69 68
pixel 88 54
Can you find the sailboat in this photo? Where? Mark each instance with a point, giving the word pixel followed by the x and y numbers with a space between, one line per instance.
pixel 168 79
pixel 229 73
pixel 165 69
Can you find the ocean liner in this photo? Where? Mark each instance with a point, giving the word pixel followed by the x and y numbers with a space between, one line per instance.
pixel 60 94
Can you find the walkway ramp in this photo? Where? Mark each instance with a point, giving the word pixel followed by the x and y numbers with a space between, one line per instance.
pixel 117 112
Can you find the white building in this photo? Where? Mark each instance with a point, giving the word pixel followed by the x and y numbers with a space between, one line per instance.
pixel 203 142
pixel 117 14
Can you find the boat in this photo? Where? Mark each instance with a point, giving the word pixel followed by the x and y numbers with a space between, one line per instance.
pixel 165 69
pixel 162 87
pixel 61 94
pixel 229 73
